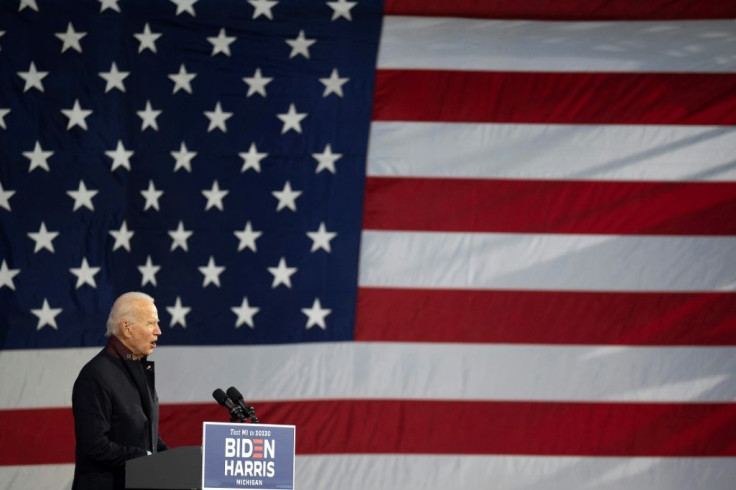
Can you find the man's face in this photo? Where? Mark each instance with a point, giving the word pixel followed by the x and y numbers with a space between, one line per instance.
pixel 141 331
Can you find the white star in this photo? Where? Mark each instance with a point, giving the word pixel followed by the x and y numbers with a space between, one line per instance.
pixel 245 313
pixel 286 197
pixel 83 197
pixel 217 118
pixel 182 80
pixel 341 8
pixel 28 3
pixel 5 197
pixel 120 157
pixel 221 43
pixel 109 4
pixel 252 159
pixel 247 237
pixel 183 158
pixel 3 113
pixel 114 78
pixel 122 237
pixel 257 83
pixel 282 274
pixel 185 6
pixel 43 238
pixel 38 158
pixel 33 78
pixel 263 7
pixel 7 275
pixel 178 313
pixel 148 115
pixel 76 116
pixel 47 315
pixel 316 315
pixel 300 45
pixel 292 119
pixel 211 273
pixel 326 160
pixel 179 237
pixel 147 39
pixel 333 84
pixel 214 196
pixel 148 271
pixel 321 238
pixel 85 274
pixel 71 38
pixel 151 195
pixel 2 33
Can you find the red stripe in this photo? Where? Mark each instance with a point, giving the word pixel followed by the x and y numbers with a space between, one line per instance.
pixel 563 98
pixel 554 206
pixel 425 427
pixel 566 9
pixel 541 317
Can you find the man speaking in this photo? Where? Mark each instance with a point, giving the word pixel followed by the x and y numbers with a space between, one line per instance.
pixel 114 398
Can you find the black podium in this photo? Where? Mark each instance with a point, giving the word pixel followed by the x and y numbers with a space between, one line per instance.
pixel 178 468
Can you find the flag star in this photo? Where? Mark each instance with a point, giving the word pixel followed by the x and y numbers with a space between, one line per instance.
pixel 38 158
pixel 333 84
pixel 2 33
pixel 321 238
pixel 3 113
pixel 148 117
pixel 221 43
pixel 282 274
pixel 247 237
pixel 47 315
pixel 245 313
pixel 148 271
pixel 28 3
pixel 5 197
pixel 43 238
pixel 214 196
pixel 211 273
pixel 252 158
pixel 151 195
pixel 257 83
pixel 316 315
pixel 122 237
pixel 33 78
pixel 179 237
pixel 109 4
pixel 71 38
pixel 185 6
pixel 114 78
pixel 300 45
pixel 286 197
pixel 217 118
pixel 76 116
pixel 292 119
pixel 341 8
pixel 147 39
pixel 183 158
pixel 178 313
pixel 326 160
pixel 83 197
pixel 182 80
pixel 85 274
pixel 263 7
pixel 120 157
pixel 7 275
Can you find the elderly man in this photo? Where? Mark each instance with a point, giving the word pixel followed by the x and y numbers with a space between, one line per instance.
pixel 114 397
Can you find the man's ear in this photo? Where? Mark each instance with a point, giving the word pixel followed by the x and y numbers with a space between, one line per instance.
pixel 125 329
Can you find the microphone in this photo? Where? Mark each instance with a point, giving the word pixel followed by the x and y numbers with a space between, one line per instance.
pixel 235 395
pixel 236 413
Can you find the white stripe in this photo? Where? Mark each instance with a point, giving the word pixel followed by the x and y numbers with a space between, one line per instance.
pixel 547 262
pixel 503 45
pixel 541 151
pixel 356 370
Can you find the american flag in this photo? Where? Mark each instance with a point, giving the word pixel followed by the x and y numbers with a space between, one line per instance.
pixel 458 244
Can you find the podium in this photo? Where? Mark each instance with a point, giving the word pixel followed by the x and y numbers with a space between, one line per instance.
pixel 178 468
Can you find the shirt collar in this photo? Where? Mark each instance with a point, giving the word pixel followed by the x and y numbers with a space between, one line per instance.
pixel 116 348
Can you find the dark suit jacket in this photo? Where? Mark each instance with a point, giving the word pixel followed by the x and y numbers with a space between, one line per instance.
pixel 115 410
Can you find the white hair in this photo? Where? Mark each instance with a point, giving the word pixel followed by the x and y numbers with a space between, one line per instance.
pixel 124 307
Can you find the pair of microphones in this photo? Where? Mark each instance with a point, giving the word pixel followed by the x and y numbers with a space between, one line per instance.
pixel 234 402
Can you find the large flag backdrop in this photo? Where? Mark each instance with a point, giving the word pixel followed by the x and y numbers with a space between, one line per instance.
pixel 457 244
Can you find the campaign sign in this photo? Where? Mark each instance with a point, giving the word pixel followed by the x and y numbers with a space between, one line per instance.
pixel 237 456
